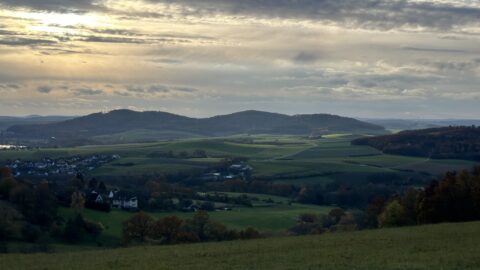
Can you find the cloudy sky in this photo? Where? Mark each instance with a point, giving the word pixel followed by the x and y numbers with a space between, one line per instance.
pixel 369 58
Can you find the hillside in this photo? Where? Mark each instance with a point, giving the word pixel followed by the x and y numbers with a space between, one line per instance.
pixel 84 129
pixel 8 121
pixel 437 143
pixel 444 246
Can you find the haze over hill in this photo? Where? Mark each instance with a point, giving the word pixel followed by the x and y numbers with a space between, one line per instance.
pixel 162 125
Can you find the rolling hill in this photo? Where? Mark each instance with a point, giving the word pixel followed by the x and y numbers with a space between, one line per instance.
pixel 83 130
pixel 437 143
pixel 443 246
pixel 8 121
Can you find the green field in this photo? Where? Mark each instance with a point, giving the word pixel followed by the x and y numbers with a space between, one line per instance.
pixel 287 159
pixel 276 217
pixel 443 246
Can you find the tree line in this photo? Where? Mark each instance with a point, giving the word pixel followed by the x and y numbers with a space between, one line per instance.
pixel 440 143
pixel 455 197
pixel 142 228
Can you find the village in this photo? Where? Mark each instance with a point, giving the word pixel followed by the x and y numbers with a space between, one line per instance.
pixel 235 171
pixel 65 166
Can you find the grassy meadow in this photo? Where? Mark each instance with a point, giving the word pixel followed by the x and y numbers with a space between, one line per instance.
pixel 275 217
pixel 443 246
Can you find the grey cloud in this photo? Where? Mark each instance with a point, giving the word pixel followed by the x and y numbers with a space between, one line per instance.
pixel 436 50
pixel 87 92
pixel 112 40
pixel 44 89
pixel 185 89
pixel 458 66
pixel 56 5
pixel 25 41
pixel 167 61
pixel 9 87
pixel 158 89
pixel 377 14
pixel 305 58
pixel 122 94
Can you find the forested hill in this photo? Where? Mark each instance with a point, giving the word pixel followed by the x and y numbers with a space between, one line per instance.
pixel 439 143
pixel 121 121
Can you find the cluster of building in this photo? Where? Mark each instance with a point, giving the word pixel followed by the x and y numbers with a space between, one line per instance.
pixel 114 199
pixel 59 166
pixel 235 171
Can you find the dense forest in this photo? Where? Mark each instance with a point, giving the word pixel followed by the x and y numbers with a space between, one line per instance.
pixel 437 143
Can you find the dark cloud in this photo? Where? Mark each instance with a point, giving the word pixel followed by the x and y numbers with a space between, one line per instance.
pixel 122 94
pixel 44 89
pixel 87 92
pixel 305 58
pixel 438 50
pixel 376 14
pixel 466 66
pixel 53 5
pixel 167 61
pixel 10 41
pixel 9 87
pixel 185 89
pixel 158 89
pixel 112 40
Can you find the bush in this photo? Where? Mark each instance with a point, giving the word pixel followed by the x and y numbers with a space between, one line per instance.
pixel 74 229
pixel 93 228
pixel 308 218
pixel 249 233
pixel 137 228
pixel 167 229
pixel 31 233
pixel 392 216
pixel 306 228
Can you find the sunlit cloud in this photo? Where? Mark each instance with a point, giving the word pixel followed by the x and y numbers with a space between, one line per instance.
pixel 216 56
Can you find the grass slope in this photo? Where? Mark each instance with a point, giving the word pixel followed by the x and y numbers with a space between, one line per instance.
pixel 444 246
pixel 274 217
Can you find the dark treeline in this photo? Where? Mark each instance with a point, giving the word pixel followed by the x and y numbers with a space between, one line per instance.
pixel 453 198
pixel 29 213
pixel 142 228
pixel 26 211
pixel 440 143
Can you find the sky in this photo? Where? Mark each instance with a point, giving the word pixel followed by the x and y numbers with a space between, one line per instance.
pixel 369 58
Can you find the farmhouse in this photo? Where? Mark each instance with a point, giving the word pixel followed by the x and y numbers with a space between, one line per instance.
pixel 124 200
pixel 95 197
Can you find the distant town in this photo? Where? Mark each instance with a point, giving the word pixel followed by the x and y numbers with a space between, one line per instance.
pixel 58 166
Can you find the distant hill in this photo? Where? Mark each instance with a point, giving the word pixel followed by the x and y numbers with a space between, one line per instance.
pixel 439 143
pixel 8 121
pixel 84 129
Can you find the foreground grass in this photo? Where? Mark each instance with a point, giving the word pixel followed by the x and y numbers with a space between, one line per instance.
pixel 445 246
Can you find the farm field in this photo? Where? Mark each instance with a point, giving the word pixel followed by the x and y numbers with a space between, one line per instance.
pixel 286 159
pixel 443 246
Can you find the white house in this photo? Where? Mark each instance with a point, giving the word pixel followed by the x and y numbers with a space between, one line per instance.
pixel 124 200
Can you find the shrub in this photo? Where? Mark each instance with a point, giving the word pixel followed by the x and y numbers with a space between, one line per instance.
pixel 31 233
pixel 137 228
